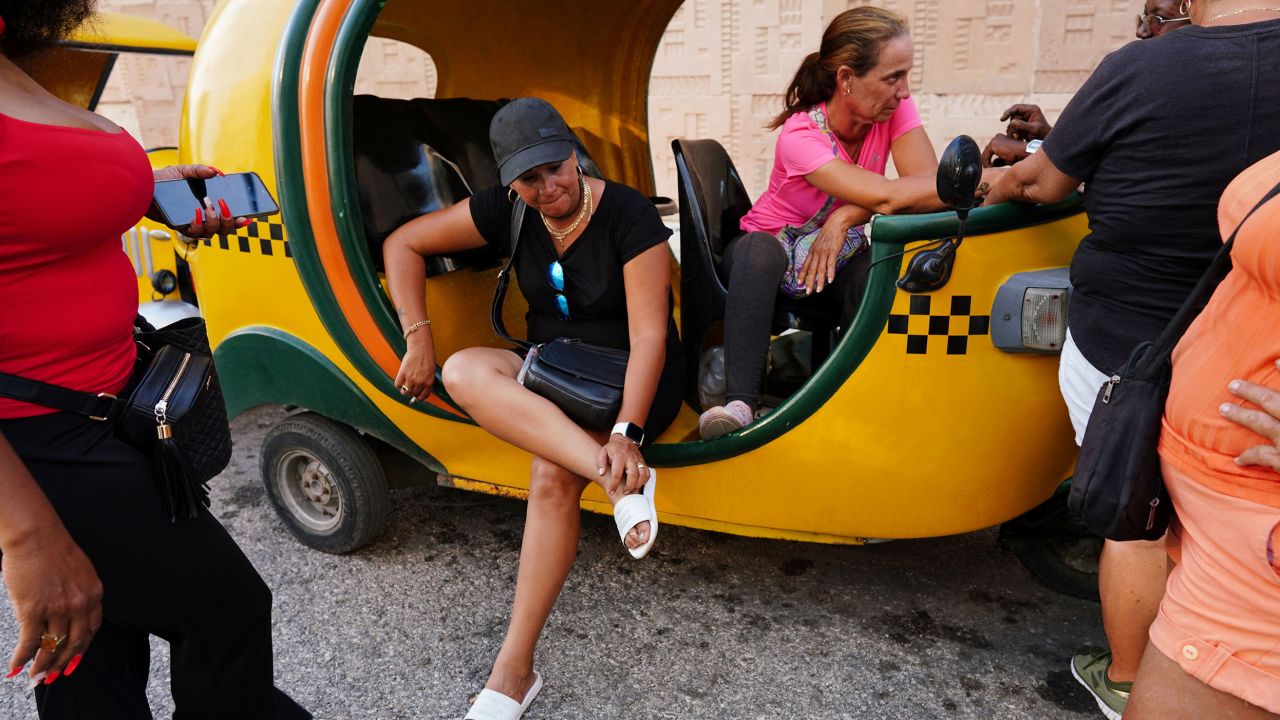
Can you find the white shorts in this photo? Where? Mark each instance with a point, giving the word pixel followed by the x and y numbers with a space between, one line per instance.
pixel 1079 382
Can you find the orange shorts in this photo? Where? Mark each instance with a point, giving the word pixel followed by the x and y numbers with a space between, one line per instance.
pixel 1220 617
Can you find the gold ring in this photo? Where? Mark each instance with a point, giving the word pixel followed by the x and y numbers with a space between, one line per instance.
pixel 984 186
pixel 51 643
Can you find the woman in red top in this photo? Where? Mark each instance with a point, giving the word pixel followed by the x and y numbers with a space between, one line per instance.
pixel 88 552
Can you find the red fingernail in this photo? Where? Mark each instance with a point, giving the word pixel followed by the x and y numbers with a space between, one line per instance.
pixel 244 222
pixel 199 216
pixel 220 174
pixel 52 676
pixel 75 663
pixel 226 211
pixel 14 673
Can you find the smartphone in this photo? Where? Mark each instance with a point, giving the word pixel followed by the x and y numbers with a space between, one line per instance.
pixel 245 193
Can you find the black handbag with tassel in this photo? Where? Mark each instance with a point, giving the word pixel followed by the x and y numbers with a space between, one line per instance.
pixel 174 411
pixel 583 380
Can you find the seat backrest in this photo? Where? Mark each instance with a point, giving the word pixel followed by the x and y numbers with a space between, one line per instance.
pixel 716 200
pixel 712 202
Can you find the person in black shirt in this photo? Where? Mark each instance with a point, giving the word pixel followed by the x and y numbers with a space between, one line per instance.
pixel 593 263
pixel 1156 133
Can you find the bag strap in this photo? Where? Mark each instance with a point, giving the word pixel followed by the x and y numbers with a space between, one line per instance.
pixel 104 407
pixel 504 277
pixel 1162 348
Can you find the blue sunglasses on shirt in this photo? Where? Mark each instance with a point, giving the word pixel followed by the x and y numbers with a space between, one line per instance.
pixel 555 278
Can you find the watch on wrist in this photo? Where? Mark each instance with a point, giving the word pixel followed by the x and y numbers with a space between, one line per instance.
pixel 1033 146
pixel 630 431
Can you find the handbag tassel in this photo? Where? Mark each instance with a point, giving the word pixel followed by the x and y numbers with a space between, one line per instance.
pixel 177 489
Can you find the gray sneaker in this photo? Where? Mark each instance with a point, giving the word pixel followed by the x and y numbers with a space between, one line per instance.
pixel 1090 669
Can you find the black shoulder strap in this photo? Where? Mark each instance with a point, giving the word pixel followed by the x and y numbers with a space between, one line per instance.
pixel 99 407
pixel 1162 348
pixel 504 277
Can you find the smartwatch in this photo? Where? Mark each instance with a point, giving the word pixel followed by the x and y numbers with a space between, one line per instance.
pixel 630 431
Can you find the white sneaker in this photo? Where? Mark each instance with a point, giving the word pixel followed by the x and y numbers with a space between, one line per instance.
pixel 723 419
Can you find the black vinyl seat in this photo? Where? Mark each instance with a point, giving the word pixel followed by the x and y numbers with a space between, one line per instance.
pixel 416 156
pixel 712 202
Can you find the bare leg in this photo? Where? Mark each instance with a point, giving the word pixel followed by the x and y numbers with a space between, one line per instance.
pixel 483 380
pixel 1164 692
pixel 1131 580
pixel 550 544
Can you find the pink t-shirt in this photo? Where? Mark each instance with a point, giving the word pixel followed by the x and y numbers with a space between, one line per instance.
pixel 803 148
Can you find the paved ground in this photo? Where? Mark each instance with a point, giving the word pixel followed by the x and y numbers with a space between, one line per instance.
pixel 708 627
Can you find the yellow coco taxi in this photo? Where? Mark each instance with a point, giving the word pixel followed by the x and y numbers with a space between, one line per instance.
pixel 78 70
pixel 935 412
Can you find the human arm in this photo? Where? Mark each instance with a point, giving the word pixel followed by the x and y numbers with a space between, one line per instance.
pixel 52 585
pixel 1034 180
pixel 214 219
pixel 915 190
pixel 647 277
pixel 819 268
pixel 1265 421
pixel 403 254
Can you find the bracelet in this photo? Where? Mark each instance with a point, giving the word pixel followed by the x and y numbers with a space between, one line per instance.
pixel 415 328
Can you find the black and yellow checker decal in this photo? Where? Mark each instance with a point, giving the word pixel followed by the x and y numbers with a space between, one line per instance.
pixel 263 237
pixel 955 327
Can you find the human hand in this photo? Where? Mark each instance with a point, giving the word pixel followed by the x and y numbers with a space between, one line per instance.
pixel 417 375
pixel 212 219
pixel 1026 122
pixel 622 466
pixel 819 267
pixel 989 190
pixel 1003 150
pixel 1264 421
pixel 54 590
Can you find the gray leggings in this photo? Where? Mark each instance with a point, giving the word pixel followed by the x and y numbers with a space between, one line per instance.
pixel 755 263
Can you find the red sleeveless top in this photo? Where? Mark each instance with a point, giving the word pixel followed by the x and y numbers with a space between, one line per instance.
pixel 68 292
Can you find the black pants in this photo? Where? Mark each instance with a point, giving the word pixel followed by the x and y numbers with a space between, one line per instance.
pixel 187 583
pixel 755 263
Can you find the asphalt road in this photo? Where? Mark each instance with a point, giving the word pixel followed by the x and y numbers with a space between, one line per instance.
pixel 708 627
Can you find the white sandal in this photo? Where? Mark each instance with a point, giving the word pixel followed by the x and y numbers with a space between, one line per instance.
pixel 493 705
pixel 635 509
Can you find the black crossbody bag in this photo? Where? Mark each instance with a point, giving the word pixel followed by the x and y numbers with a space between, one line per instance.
pixel 1118 491
pixel 174 410
pixel 583 380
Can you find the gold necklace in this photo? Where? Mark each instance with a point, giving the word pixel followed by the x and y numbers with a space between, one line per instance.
pixel 585 210
pixel 1243 11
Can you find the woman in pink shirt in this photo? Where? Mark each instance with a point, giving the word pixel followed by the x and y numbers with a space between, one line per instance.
pixel 848 100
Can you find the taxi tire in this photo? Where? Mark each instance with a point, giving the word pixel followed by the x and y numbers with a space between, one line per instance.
pixel 1059 552
pixel 325 482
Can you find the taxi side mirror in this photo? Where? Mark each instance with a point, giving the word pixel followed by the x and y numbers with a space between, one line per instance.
pixel 959 172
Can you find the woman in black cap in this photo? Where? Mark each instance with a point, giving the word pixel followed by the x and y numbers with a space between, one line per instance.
pixel 593 265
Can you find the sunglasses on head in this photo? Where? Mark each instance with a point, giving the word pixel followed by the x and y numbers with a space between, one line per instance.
pixel 555 278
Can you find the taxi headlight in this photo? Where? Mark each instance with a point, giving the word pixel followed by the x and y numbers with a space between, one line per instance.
pixel 1030 312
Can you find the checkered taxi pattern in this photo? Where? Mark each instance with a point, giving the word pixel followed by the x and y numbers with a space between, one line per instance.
pixel 940 324
pixel 262 237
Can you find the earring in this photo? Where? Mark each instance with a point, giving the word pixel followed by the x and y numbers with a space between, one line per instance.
pixel 511 195
pixel 1185 8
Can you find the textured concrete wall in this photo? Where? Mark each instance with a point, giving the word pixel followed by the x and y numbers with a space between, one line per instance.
pixel 723 65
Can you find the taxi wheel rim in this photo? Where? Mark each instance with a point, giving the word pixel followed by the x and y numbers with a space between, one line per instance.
pixel 309 491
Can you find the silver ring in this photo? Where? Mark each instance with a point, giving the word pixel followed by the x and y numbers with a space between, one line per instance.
pixel 641 466
pixel 404 388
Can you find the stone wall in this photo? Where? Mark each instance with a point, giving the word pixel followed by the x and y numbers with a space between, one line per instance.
pixel 723 65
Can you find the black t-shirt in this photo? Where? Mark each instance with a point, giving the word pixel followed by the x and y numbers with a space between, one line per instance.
pixel 624 224
pixel 1157 133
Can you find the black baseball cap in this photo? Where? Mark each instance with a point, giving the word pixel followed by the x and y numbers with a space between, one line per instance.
pixel 525 133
